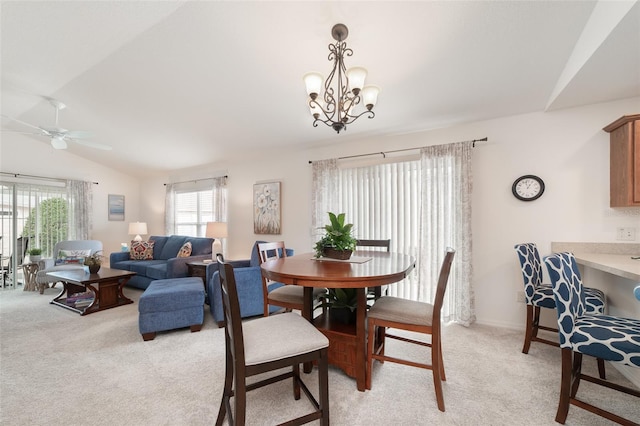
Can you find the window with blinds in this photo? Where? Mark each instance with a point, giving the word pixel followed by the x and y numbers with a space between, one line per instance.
pixel 193 210
pixel 383 201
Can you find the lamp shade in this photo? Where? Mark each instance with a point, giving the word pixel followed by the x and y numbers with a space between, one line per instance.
pixel 370 96
pixel 356 76
pixel 137 229
pixel 216 229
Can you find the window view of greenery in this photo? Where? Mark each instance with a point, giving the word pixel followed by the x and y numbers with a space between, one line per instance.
pixel 47 224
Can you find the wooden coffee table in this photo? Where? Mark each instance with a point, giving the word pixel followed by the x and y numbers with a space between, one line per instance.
pixel 105 287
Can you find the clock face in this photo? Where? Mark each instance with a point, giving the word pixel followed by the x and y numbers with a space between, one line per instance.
pixel 528 188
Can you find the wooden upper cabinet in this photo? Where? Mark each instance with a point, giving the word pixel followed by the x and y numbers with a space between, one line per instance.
pixel 625 161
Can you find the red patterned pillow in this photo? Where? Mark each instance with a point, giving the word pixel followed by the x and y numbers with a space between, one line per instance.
pixel 141 250
pixel 185 250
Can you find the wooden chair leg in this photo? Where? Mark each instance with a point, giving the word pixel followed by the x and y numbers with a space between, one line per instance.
pixel 575 373
pixel 323 386
pixel 370 349
pixel 436 358
pixel 442 375
pixel 601 371
pixel 225 404
pixel 296 381
pixel 528 330
pixel 565 386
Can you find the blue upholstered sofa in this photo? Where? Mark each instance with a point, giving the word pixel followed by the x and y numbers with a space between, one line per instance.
pixel 249 283
pixel 165 264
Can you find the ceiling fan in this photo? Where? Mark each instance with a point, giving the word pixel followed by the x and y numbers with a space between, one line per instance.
pixel 59 136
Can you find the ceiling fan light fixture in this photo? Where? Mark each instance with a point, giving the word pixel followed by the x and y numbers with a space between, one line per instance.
pixel 58 143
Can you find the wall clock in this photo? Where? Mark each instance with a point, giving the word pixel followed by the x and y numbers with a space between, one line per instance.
pixel 528 188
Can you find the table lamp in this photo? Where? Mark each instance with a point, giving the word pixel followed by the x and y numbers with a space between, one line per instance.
pixel 137 228
pixel 217 230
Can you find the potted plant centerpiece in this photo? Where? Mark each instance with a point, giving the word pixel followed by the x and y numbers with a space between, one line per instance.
pixel 338 241
pixel 93 261
pixel 35 254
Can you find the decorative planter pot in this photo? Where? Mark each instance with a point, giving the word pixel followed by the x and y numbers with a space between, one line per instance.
pixel 35 257
pixel 94 268
pixel 336 254
pixel 342 315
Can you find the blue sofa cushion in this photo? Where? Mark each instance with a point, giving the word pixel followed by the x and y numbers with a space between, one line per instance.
pixel 159 241
pixel 172 246
pixel 200 245
pixel 140 267
pixel 157 272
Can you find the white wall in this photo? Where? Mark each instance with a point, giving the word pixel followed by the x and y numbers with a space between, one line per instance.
pixel 19 154
pixel 567 148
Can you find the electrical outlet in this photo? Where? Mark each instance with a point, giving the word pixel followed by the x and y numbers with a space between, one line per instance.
pixel 520 297
pixel 626 234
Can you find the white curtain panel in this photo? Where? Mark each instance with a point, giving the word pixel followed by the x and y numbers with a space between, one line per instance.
pixel 423 206
pixel 445 221
pixel 80 198
pixel 169 214
pixel 324 192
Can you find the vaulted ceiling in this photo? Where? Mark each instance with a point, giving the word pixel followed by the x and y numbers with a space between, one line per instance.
pixel 177 84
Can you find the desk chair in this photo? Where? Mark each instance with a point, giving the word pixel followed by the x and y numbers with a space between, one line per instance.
pixel 538 295
pixel 403 314
pixel 288 297
pixel 614 339
pixel 267 344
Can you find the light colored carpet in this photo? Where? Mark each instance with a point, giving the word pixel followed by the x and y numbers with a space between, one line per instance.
pixel 58 368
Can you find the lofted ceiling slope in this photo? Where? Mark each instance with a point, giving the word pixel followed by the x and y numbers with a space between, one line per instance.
pixel 171 85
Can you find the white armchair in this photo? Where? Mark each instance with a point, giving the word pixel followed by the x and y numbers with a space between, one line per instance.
pixel 49 264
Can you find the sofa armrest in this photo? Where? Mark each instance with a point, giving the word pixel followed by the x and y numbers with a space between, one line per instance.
pixel 177 266
pixel 250 295
pixel 46 263
pixel 119 256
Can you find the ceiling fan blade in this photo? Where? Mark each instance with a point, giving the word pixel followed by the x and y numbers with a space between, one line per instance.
pixel 25 123
pixel 21 133
pixel 92 144
pixel 79 134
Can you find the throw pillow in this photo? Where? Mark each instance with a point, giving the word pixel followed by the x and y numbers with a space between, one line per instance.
pixel 66 257
pixel 141 250
pixel 185 250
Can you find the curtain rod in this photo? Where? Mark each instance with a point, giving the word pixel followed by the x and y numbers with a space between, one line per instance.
pixel 197 180
pixel 20 175
pixel 383 153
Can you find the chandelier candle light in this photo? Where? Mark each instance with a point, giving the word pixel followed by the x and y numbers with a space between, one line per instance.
pixel 137 228
pixel 335 106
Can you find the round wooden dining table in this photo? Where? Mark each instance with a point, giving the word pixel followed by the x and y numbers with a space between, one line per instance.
pixel 365 269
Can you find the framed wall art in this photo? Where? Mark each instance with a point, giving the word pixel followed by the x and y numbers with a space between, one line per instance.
pixel 116 207
pixel 266 208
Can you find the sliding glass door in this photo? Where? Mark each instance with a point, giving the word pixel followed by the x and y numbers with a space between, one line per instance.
pixel 31 216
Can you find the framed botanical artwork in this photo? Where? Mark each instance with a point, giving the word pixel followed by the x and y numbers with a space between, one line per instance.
pixel 116 207
pixel 266 208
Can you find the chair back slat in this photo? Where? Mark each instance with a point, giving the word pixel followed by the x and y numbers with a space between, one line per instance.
pixel 568 292
pixel 268 251
pixel 531 268
pixel 231 308
pixel 386 244
pixel 443 279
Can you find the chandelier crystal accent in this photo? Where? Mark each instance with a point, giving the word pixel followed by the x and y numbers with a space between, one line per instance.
pixel 343 90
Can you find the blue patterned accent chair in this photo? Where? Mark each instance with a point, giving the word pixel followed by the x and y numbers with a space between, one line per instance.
pixel 614 339
pixel 538 295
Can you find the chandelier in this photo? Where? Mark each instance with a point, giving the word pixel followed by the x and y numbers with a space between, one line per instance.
pixel 336 107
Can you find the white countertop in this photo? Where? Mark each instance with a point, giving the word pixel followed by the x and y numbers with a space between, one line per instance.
pixel 616 264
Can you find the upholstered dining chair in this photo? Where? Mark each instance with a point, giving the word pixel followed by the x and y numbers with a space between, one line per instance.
pixel 263 345
pixel 410 315
pixel 288 297
pixel 539 295
pixel 581 332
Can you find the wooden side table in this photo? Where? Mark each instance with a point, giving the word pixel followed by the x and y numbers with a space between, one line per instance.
pixel 30 270
pixel 199 269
